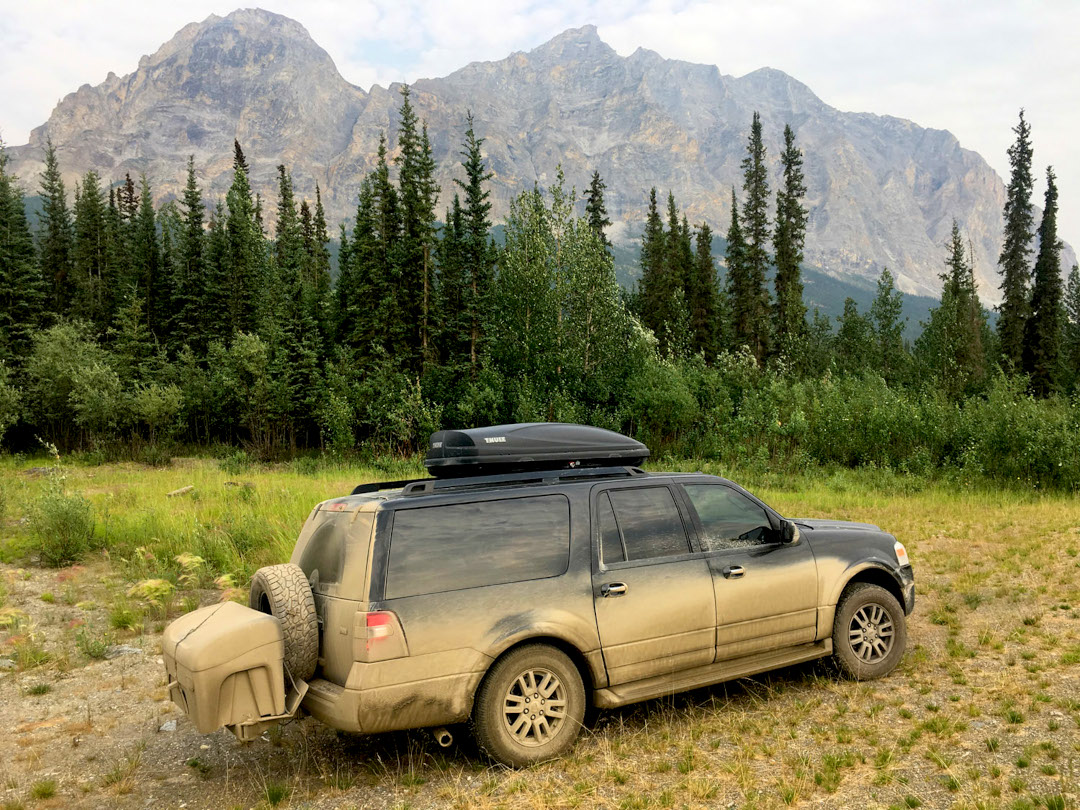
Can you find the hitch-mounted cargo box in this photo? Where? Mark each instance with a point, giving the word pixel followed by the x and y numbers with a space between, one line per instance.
pixel 224 664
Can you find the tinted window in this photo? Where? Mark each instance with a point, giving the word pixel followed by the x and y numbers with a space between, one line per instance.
pixel 729 519
pixel 649 522
pixel 610 542
pixel 447 548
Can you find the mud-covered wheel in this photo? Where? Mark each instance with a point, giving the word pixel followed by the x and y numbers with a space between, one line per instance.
pixel 529 707
pixel 869 632
pixel 283 592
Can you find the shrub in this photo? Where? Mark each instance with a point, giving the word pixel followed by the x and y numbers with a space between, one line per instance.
pixel 61 527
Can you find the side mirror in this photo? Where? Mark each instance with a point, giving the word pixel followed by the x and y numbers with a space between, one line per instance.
pixel 789 533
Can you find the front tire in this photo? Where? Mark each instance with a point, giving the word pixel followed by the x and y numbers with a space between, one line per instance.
pixel 869 632
pixel 530 707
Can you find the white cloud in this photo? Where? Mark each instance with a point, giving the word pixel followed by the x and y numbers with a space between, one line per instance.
pixel 962 66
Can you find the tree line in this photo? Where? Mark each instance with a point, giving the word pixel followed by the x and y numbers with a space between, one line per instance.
pixel 126 327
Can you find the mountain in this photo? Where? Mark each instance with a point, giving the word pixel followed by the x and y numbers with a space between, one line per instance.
pixel 882 191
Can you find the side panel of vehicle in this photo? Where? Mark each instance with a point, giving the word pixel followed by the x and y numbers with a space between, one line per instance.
pixel 454 635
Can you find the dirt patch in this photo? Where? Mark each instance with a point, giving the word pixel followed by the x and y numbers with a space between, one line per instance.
pixel 984 712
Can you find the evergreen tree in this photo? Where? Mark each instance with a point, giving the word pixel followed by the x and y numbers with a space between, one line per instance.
pixel 477 251
pixel 320 272
pixel 345 283
pixel 56 235
pixel 22 288
pixel 595 211
pixel 752 307
pixel 891 358
pixel 854 340
pixel 90 251
pixel 153 283
pixel 213 293
pixel 1043 335
pixel 360 303
pixel 703 298
pixel 952 346
pixel 653 304
pixel 1071 342
pixel 455 323
pixel 189 268
pixel 1019 221
pixel 788 239
pixel 246 251
pixel 418 196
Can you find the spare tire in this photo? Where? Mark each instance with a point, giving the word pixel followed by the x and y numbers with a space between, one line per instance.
pixel 283 592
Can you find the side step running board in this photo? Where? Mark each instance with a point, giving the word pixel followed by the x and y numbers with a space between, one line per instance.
pixel 661 685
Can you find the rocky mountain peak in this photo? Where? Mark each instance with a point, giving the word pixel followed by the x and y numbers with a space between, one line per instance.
pixel 882 191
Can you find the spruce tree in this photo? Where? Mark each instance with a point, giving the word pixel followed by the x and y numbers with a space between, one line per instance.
pixel 246 260
pixel 595 211
pixel 146 261
pixel 213 293
pixel 189 263
pixel 477 251
pixel 1043 334
pixel 56 234
pixel 1071 341
pixel 788 239
pixel 703 298
pixel 891 358
pixel 952 346
pixel 854 339
pixel 22 287
pixel 652 301
pixel 320 272
pixel 418 196
pixel 752 309
pixel 90 251
pixel 1015 272
pixel 454 324
pixel 735 284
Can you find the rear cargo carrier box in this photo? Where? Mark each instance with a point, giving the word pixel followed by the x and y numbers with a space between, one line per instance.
pixel 225 668
pixel 529 446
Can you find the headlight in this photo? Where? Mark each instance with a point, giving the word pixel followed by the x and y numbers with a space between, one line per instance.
pixel 901 554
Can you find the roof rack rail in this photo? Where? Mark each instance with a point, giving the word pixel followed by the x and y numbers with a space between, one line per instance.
pixel 378 486
pixel 429 486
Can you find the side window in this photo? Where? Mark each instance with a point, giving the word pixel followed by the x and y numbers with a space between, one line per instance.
pixel 729 518
pixel 448 548
pixel 611 548
pixel 649 522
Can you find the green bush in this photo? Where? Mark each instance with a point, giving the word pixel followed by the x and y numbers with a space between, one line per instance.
pixel 61 527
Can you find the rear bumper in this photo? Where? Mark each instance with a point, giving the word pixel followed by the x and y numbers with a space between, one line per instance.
pixel 907 585
pixel 418 704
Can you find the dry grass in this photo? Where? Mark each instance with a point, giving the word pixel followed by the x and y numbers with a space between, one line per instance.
pixel 984 712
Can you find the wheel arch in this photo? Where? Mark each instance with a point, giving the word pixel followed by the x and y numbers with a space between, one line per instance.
pixel 873 574
pixel 576 656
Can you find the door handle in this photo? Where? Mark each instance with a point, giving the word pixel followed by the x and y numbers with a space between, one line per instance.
pixel 613 589
pixel 733 571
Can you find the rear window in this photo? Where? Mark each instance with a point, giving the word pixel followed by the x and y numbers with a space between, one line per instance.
pixel 449 548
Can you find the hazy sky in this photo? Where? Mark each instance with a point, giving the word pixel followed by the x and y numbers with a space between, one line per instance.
pixel 963 66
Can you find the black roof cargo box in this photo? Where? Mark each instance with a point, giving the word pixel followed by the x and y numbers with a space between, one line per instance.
pixel 529 446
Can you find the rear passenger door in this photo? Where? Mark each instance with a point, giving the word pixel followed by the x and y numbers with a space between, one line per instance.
pixel 655 608
pixel 766 591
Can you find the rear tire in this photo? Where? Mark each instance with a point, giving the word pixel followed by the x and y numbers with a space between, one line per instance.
pixel 283 592
pixel 869 632
pixel 530 707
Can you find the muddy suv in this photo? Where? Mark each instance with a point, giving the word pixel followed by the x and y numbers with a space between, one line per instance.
pixel 541 573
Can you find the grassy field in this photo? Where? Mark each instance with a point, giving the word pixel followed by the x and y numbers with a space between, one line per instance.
pixel 984 711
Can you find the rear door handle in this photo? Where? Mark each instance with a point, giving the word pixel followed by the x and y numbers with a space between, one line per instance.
pixel 613 589
pixel 733 571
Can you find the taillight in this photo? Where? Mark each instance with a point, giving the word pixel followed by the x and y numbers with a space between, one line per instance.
pixel 901 553
pixel 380 625
pixel 377 636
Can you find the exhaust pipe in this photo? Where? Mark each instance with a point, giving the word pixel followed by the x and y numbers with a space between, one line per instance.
pixel 443 737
